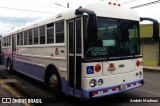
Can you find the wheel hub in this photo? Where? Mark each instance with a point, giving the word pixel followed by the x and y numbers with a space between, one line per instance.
pixel 53 81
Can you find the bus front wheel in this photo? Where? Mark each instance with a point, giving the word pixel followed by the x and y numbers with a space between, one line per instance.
pixel 54 84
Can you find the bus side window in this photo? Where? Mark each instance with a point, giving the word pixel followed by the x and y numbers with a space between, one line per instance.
pixel 50 33
pixel 25 38
pixel 18 38
pixel 36 36
pixel 60 32
pixel 21 38
pixel 7 40
pixel 30 37
pixel 42 34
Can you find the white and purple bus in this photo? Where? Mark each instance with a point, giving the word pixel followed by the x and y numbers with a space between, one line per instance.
pixel 89 52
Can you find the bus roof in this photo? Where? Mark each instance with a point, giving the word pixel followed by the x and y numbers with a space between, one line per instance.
pixel 113 10
pixel 102 9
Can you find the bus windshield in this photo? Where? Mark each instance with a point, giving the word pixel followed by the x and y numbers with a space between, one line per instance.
pixel 115 37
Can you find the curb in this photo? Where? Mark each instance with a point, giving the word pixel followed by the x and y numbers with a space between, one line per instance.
pixel 151 70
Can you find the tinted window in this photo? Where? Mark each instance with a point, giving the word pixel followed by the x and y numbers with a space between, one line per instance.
pixel 9 42
pixel 71 37
pixel 42 34
pixel 18 39
pixel 36 36
pixel 30 37
pixel 78 36
pixel 25 38
pixel 6 41
pixel 60 32
pixel 115 37
pixel 21 38
pixel 50 33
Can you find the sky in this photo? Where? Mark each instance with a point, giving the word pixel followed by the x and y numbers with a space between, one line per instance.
pixel 14 13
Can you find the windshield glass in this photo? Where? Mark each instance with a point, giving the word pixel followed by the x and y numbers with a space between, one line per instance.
pixel 115 37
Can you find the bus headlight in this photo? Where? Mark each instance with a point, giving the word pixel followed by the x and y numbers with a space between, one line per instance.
pixel 100 82
pixel 93 83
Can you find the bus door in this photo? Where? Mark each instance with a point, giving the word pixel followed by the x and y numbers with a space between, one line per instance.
pixel 74 57
pixel 14 51
pixel 1 59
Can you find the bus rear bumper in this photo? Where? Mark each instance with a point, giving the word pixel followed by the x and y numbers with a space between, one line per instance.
pixel 93 93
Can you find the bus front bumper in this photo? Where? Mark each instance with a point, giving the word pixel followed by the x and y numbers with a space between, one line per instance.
pixel 93 93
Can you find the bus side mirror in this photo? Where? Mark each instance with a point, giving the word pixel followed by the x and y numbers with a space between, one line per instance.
pixel 91 22
pixel 155 36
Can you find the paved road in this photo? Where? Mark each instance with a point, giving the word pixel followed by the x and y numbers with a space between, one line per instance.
pixel 31 88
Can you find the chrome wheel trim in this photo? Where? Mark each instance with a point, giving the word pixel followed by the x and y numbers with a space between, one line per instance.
pixel 53 81
pixel 8 66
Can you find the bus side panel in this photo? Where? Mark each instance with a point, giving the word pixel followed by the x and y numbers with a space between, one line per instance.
pixel 32 70
pixel 33 61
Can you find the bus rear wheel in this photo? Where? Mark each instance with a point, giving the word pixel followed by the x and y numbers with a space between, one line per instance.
pixel 9 66
pixel 54 84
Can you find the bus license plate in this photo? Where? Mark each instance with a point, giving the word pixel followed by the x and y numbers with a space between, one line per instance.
pixel 123 86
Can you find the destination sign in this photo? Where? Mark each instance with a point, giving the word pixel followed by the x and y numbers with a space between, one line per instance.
pixel 99 51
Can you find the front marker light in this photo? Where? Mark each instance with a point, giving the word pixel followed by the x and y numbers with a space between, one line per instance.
pixel 100 82
pixel 93 83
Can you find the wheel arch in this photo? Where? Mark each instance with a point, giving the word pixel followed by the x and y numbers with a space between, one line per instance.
pixel 51 68
pixel 8 58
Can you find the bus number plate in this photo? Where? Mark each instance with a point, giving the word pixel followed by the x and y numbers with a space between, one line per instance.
pixel 123 86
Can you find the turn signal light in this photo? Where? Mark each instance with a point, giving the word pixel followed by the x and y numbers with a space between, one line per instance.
pixel 97 68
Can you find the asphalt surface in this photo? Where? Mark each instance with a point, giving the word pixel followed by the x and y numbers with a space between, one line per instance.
pixel 32 89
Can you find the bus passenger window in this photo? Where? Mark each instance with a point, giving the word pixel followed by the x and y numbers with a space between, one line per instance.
pixel 18 38
pixel 42 34
pixel 36 36
pixel 50 33
pixel 25 37
pixel 6 41
pixel 60 32
pixel 30 37
pixel 9 41
pixel 21 38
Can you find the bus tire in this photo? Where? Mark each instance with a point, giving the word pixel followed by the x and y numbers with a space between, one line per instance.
pixel 54 84
pixel 9 66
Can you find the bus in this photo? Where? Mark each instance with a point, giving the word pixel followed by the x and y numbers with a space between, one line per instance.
pixel 88 52
pixel 1 59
